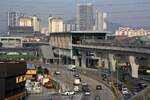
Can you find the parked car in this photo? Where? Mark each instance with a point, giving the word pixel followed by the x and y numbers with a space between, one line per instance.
pixel 125 90
pixel 141 85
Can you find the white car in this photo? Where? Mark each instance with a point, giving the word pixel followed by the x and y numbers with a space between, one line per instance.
pixel 72 67
pixel 37 90
pixel 57 73
pixel 87 93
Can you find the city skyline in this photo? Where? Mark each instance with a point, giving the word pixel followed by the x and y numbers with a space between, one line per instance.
pixel 133 13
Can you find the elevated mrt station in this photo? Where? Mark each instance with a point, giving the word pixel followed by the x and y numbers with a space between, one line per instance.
pixel 62 45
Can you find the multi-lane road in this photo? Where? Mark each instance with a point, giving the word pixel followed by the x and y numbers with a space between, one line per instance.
pixel 66 80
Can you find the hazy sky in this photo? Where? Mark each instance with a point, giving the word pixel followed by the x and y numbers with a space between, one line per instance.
pixel 128 12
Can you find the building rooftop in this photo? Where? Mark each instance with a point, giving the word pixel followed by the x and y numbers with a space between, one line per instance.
pixel 91 32
pixel 80 32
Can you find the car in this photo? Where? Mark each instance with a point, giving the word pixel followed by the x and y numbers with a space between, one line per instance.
pixel 71 68
pixel 57 73
pixel 37 90
pixel 141 85
pixel 84 83
pixel 120 86
pixel 76 88
pixel 87 93
pixel 125 90
pixel 135 91
pixel 104 77
pixel 86 90
pixel 68 93
pixel 127 96
pixel 76 75
pixel 49 98
pixel 48 85
pixel 97 98
pixel 98 87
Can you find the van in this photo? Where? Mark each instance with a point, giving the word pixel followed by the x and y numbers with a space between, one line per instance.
pixel 77 81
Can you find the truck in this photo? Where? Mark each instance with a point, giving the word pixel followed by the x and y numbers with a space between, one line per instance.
pixel 44 80
pixel 48 85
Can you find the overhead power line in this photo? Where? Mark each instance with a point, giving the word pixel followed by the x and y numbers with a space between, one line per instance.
pixel 129 11
pixel 125 4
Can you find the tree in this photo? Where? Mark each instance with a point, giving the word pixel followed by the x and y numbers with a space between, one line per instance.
pixel 40 70
pixel 46 71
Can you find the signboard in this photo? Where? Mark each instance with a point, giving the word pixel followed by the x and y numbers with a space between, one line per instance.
pixel 31 72
pixel 20 79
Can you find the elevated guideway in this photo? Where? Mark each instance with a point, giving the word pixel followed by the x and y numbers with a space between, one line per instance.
pixel 112 49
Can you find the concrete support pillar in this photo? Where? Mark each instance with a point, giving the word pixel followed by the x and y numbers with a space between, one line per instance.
pixel 99 63
pixel 134 67
pixel 83 59
pixel 106 63
pixel 77 61
pixel 112 62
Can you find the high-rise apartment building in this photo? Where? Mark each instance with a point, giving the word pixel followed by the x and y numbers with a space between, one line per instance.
pixel 69 27
pixel 25 21
pixel 12 19
pixel 100 21
pixel 20 24
pixel 55 24
pixel 36 23
pixel 84 18
pixel 32 21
